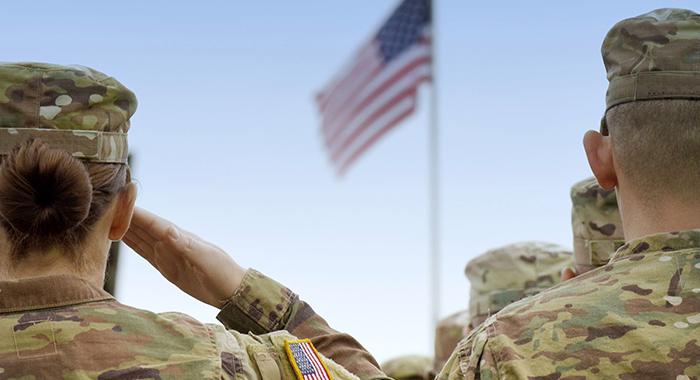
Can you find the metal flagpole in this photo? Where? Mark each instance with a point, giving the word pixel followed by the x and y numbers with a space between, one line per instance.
pixel 434 186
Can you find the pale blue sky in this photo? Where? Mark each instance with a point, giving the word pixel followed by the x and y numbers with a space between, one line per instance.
pixel 226 141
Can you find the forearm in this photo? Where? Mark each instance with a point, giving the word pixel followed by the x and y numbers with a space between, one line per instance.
pixel 261 305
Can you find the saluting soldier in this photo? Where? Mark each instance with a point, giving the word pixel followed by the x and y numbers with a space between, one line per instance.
pixel 65 195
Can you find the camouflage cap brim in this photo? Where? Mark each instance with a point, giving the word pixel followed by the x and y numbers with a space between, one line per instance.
pixel 651 85
pixel 489 304
pixel 92 146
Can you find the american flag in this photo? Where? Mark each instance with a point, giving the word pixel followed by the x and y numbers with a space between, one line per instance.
pixel 306 360
pixel 377 89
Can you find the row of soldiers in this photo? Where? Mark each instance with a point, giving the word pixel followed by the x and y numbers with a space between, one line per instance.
pixel 516 271
pixel 65 193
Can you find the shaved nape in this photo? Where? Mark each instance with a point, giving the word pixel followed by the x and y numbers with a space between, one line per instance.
pixel 656 146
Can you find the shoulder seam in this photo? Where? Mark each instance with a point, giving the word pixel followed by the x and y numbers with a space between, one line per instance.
pixel 491 332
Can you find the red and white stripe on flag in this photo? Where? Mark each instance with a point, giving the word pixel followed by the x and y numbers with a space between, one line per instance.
pixel 374 92
pixel 306 361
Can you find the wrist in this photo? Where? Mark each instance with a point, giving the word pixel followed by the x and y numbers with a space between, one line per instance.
pixel 260 305
pixel 235 280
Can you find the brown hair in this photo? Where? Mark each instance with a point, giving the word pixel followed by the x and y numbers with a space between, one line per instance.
pixel 656 144
pixel 49 199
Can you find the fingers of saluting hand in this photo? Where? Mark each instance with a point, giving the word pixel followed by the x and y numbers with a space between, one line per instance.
pixel 150 227
pixel 148 234
pixel 156 252
pixel 196 266
pixel 140 246
pixel 154 236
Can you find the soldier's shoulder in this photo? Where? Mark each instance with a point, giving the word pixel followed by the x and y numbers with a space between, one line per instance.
pixel 203 350
pixel 566 302
pixel 117 340
pixel 609 321
pixel 276 355
pixel 180 324
pixel 212 348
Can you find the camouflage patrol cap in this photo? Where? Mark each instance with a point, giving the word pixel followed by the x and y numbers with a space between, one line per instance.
pixel 596 224
pixel 73 108
pixel 504 275
pixel 408 367
pixel 653 56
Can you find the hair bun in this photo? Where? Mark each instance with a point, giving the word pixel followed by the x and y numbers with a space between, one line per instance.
pixel 43 191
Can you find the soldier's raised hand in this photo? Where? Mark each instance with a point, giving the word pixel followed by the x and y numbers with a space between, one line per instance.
pixel 197 267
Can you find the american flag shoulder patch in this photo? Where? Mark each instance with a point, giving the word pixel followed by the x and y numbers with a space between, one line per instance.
pixel 306 361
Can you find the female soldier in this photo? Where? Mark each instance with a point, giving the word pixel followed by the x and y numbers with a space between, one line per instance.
pixel 65 194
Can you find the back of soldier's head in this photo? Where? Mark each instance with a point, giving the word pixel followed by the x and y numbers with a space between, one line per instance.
pixel 408 367
pixel 595 223
pixel 448 332
pixel 653 104
pixel 499 277
pixel 510 273
pixel 63 147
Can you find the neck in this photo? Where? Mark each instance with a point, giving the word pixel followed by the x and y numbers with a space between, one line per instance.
pixel 639 220
pixel 55 262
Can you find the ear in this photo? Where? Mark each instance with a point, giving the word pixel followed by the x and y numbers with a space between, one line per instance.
pixel 600 158
pixel 124 210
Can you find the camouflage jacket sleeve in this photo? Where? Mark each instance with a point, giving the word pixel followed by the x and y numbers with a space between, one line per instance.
pixel 472 359
pixel 262 357
pixel 262 305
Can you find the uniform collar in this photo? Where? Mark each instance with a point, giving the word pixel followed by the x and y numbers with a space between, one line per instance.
pixel 667 241
pixel 45 292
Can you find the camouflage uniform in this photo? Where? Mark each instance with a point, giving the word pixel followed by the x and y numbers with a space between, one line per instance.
pixel 638 317
pixel 596 224
pixel 63 327
pixel 499 277
pixel 262 305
